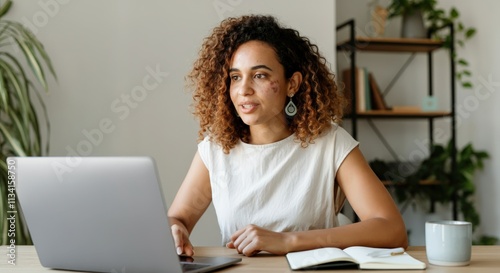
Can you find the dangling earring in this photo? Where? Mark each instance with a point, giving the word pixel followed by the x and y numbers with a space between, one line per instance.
pixel 291 108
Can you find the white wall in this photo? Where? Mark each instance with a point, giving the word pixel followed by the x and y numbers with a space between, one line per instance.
pixel 104 52
pixel 477 108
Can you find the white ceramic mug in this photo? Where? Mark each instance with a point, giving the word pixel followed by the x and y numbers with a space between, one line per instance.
pixel 448 243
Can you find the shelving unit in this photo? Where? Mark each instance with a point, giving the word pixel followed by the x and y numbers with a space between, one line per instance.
pixel 400 45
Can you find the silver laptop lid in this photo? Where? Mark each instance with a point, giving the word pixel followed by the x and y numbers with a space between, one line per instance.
pixel 104 214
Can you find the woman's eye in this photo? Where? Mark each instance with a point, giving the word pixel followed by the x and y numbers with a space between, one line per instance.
pixel 260 76
pixel 235 77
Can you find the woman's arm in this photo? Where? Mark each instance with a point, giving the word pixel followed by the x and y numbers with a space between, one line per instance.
pixel 191 201
pixel 381 223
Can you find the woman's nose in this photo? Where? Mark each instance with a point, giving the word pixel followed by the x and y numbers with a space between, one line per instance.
pixel 246 88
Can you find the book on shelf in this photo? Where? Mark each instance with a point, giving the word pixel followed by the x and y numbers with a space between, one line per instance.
pixel 366 88
pixel 360 93
pixel 346 79
pixel 352 257
pixel 368 94
pixel 378 102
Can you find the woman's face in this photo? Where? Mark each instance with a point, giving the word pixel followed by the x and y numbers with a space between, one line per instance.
pixel 258 86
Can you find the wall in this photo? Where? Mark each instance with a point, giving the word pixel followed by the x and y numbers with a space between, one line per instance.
pixel 121 67
pixel 476 108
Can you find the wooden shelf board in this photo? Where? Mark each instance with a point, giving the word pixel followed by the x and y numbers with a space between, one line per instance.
pixel 402 114
pixel 392 44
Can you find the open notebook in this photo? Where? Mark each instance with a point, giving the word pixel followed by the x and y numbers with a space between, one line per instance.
pixel 351 257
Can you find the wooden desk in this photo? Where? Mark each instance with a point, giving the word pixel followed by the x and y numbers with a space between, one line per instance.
pixel 485 259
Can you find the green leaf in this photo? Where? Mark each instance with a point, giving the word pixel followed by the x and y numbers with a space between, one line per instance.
pixel 482 155
pixel 463 62
pixel 5 8
pixel 39 47
pixel 4 98
pixel 17 81
pixel 467 151
pixel 33 61
pixel 20 130
pixel 12 141
pixel 460 26
pixel 16 86
pixel 29 47
pixel 466 72
pixel 467 85
pixel 454 13
pixel 470 32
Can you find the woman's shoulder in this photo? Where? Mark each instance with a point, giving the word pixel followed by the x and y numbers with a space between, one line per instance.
pixel 207 142
pixel 339 136
pixel 209 146
pixel 335 129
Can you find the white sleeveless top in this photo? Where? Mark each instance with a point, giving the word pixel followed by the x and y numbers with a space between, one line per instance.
pixel 279 186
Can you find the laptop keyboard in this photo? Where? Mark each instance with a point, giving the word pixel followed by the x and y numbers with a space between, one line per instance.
pixel 186 267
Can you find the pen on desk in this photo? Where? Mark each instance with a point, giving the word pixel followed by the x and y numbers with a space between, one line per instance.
pixel 387 252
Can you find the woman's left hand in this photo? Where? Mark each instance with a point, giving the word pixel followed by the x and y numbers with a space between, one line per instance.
pixel 253 239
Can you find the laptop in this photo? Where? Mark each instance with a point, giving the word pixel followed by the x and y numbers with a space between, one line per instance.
pixel 101 214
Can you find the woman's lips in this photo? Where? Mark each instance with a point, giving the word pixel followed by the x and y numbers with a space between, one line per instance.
pixel 247 108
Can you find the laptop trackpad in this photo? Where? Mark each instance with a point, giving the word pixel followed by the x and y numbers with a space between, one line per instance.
pixel 205 264
pixel 189 266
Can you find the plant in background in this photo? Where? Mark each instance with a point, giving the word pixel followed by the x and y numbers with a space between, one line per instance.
pixel 400 7
pixel 437 167
pixel 443 186
pixel 20 128
pixel 437 19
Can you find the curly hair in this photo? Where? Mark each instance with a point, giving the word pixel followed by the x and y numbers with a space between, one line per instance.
pixel 318 100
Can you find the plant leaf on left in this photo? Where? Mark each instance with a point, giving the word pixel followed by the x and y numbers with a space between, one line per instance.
pixel 20 125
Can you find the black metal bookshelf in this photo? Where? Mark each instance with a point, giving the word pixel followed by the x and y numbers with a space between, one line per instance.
pixel 413 47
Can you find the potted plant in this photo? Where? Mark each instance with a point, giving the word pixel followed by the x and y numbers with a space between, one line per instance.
pixel 412 12
pixel 422 18
pixel 20 121
pixel 459 185
pixel 443 186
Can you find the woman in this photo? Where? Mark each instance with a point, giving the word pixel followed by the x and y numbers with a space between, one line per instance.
pixel 272 158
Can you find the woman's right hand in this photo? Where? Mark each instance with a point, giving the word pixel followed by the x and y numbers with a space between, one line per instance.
pixel 191 201
pixel 181 239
